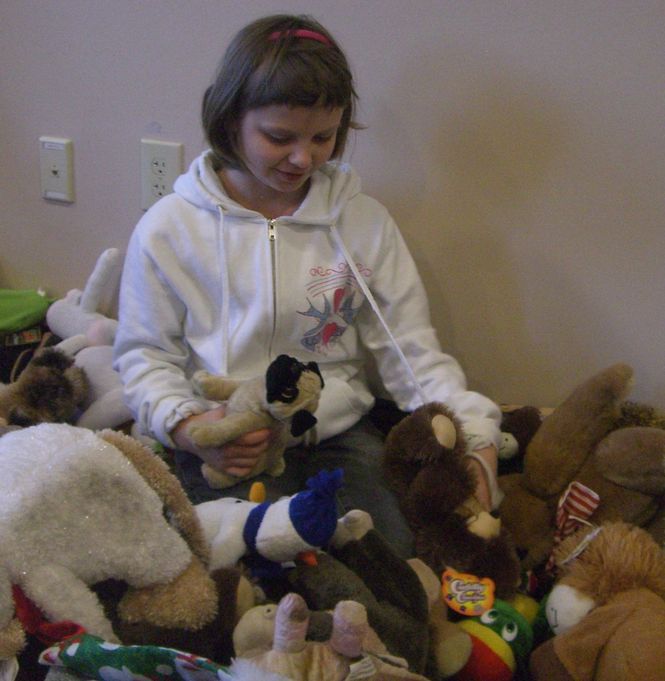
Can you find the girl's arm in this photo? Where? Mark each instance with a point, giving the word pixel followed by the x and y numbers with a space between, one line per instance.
pixel 150 352
pixel 401 297
pixel 235 458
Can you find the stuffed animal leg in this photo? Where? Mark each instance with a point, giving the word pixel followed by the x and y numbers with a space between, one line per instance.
pixel 64 596
pixel 73 314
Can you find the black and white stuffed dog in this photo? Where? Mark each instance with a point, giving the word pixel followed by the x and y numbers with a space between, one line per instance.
pixel 284 400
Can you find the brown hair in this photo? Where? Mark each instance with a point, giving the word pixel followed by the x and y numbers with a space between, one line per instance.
pixel 269 62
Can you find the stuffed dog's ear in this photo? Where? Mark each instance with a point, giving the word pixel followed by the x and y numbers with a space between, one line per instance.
pixel 282 378
pixel 301 422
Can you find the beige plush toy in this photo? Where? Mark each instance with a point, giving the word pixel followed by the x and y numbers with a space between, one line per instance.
pixel 582 443
pixel 284 400
pixel 274 639
pixel 607 608
pixel 80 508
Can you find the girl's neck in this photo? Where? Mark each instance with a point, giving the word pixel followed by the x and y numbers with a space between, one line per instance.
pixel 241 188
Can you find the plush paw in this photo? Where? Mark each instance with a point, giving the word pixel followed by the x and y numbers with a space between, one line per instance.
pixel 200 380
pixel 291 624
pixel 353 525
pixel 350 627
pixel 216 479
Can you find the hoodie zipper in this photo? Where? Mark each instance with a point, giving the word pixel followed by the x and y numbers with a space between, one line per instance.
pixel 272 238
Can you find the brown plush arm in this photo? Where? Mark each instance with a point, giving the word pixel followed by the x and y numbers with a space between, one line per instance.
pixel 214 387
pixel 544 665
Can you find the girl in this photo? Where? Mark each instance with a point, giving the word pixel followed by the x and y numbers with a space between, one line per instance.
pixel 268 246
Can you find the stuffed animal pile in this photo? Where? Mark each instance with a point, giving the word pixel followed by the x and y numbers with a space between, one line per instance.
pixel 584 449
pixel 95 530
pixel 81 508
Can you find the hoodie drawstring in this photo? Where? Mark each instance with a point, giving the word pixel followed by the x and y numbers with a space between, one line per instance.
pixel 372 301
pixel 226 299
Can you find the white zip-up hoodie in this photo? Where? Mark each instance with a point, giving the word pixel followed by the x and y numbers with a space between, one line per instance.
pixel 208 284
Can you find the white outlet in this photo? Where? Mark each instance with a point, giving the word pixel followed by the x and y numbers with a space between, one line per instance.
pixel 161 164
pixel 56 163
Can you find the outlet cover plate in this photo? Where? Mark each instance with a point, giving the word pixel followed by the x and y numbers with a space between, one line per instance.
pixel 161 164
pixel 56 165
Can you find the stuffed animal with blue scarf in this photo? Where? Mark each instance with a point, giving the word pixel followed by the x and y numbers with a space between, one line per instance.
pixel 268 534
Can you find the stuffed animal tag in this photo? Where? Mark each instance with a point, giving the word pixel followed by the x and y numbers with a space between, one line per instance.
pixel 467 594
pixel 579 549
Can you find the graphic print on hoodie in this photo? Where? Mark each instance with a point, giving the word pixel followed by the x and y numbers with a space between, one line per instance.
pixel 333 291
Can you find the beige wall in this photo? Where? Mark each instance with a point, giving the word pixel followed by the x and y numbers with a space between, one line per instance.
pixel 520 145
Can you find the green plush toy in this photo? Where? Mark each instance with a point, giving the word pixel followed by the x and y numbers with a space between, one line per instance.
pixel 502 639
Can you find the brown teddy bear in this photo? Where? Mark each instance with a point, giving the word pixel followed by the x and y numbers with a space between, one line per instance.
pixel 607 608
pixel 582 442
pixel 425 464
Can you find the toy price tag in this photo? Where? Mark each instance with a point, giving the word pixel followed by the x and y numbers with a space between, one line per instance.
pixel 467 594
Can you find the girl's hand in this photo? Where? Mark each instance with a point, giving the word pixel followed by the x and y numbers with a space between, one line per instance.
pixel 235 458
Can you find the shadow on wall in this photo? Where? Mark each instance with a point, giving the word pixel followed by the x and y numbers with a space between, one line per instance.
pixel 497 147
pixel 465 174
pixel 466 169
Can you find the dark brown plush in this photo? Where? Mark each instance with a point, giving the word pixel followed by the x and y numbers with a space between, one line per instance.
pixel 522 423
pixel 435 489
pixel 212 640
pixel 50 389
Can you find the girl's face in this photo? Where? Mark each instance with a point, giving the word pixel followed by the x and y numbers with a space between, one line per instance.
pixel 282 146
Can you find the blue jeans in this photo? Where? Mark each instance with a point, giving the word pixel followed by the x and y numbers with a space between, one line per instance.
pixel 357 452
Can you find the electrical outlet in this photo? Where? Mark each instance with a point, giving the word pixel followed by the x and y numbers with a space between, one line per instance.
pixel 56 164
pixel 161 164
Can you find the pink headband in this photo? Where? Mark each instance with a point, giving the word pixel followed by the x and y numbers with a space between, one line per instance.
pixel 301 33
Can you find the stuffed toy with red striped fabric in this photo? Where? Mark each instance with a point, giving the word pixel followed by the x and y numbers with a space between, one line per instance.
pixel 584 465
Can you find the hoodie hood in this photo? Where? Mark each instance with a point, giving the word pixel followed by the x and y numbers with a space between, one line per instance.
pixel 331 187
